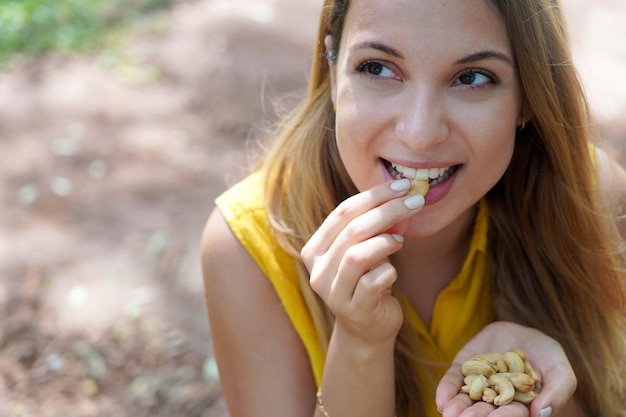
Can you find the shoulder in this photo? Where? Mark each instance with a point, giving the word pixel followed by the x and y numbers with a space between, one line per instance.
pixel 611 175
pixel 221 250
pixel 612 186
pixel 227 267
pixel 221 239
pixel 229 271
pixel 236 220
pixel 243 215
pixel 253 338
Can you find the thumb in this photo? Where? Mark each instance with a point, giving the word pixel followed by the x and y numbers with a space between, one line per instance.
pixel 556 393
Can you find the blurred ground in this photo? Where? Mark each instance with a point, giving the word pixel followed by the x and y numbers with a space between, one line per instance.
pixel 109 166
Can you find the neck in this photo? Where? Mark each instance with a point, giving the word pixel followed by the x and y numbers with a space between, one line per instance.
pixel 425 266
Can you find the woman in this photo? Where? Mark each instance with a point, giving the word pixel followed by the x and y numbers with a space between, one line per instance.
pixel 323 274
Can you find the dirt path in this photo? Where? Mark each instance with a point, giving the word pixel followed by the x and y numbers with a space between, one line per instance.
pixel 109 167
pixel 108 177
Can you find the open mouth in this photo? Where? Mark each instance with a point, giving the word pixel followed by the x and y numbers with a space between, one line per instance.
pixel 434 176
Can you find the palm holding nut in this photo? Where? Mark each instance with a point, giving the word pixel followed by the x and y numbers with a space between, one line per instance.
pixel 552 384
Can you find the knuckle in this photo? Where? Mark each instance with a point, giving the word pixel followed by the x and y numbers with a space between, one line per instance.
pixel 351 230
pixel 354 257
pixel 379 278
pixel 316 283
pixel 321 284
pixel 390 271
pixel 344 209
pixel 388 275
pixel 306 254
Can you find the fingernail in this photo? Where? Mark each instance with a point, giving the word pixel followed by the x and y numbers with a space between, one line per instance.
pixel 401 185
pixel 398 238
pixel 546 412
pixel 414 202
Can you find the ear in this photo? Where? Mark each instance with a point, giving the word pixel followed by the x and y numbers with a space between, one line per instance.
pixel 525 116
pixel 331 57
pixel 523 120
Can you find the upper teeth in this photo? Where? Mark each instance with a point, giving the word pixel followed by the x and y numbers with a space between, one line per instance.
pixel 420 174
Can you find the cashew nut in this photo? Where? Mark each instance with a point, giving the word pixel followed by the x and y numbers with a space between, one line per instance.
pixel 514 362
pixel 499 379
pixel 525 397
pixel 492 357
pixel 504 388
pixel 477 366
pixel 418 187
pixel 468 383
pixel 477 387
pixel 496 359
pixel 527 366
pixel 522 382
pixel 489 395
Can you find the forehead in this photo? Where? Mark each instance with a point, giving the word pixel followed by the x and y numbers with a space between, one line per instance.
pixel 453 24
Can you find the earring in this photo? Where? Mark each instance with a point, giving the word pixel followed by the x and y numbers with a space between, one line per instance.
pixel 523 124
pixel 334 108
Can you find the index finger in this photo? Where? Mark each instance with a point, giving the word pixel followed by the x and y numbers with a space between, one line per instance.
pixel 351 208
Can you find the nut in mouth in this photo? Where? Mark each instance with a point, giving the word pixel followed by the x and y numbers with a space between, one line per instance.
pixel 421 179
pixel 418 187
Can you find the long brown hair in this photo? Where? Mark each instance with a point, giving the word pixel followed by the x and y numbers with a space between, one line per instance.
pixel 555 258
pixel 555 251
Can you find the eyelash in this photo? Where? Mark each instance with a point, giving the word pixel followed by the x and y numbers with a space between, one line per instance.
pixel 362 66
pixel 472 71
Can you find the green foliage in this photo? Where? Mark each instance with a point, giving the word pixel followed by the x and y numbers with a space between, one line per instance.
pixel 32 27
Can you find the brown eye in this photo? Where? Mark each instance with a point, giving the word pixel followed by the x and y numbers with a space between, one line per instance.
pixel 475 78
pixel 376 69
pixel 468 78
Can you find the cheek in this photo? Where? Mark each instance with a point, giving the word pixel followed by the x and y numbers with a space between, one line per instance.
pixel 351 148
pixel 493 128
pixel 357 122
pixel 358 138
pixel 494 152
pixel 490 136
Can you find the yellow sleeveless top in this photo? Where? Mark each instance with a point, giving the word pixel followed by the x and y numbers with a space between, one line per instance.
pixel 461 309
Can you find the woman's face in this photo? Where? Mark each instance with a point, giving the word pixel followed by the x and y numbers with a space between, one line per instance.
pixel 427 86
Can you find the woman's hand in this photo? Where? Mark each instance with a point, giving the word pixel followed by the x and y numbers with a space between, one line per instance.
pixel 347 258
pixel 558 381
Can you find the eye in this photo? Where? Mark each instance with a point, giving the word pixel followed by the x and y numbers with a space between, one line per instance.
pixel 476 78
pixel 375 69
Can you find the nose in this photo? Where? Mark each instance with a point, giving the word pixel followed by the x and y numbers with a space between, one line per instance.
pixel 422 119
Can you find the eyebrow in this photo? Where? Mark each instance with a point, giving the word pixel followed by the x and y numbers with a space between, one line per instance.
pixel 479 56
pixel 378 46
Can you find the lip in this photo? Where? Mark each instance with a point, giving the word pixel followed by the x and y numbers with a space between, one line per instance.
pixel 436 192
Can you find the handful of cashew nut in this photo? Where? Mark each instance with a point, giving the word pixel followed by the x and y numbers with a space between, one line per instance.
pixel 499 379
